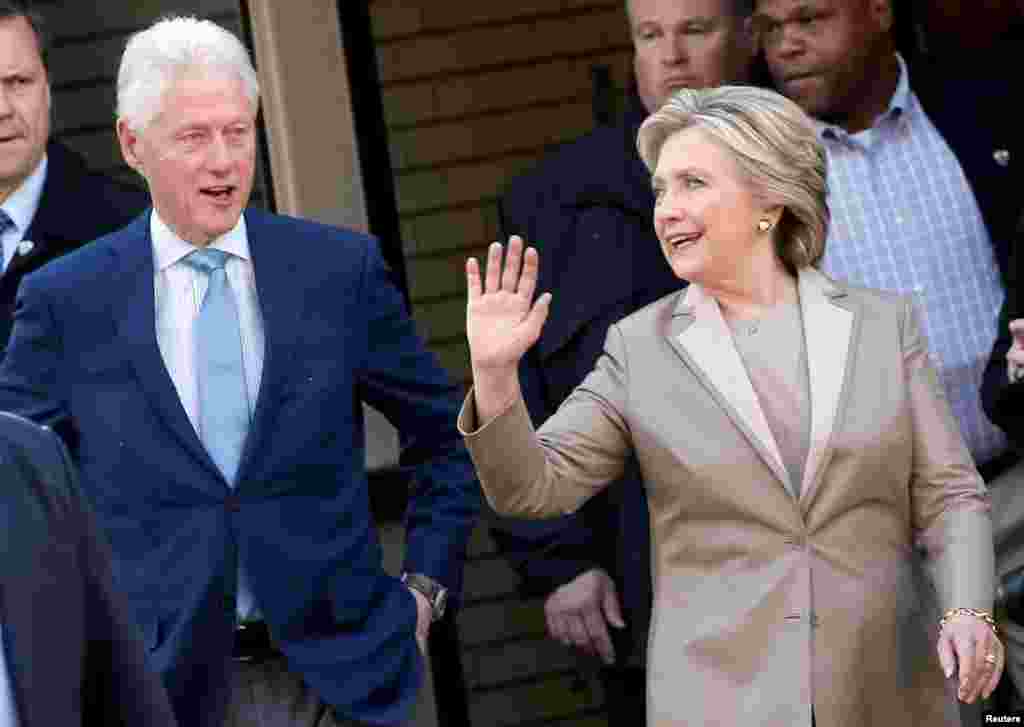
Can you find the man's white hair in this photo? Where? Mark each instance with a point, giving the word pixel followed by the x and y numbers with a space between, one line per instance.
pixel 170 49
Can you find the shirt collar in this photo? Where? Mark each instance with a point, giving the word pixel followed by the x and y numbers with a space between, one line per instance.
pixel 898 106
pixel 169 249
pixel 21 206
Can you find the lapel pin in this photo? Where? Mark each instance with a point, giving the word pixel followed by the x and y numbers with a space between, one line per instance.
pixel 25 247
pixel 1002 157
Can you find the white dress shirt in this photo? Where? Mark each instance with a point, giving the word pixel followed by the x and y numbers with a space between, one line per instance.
pixel 179 292
pixel 21 207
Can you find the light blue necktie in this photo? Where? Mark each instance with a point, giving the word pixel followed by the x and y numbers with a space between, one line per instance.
pixel 223 405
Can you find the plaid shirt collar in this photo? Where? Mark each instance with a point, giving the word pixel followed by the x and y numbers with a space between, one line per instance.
pixel 899 105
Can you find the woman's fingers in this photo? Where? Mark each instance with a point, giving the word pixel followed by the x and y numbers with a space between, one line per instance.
pixel 528 277
pixel 994 672
pixel 979 657
pixel 968 658
pixel 493 273
pixel 538 314
pixel 473 278
pixel 991 657
pixel 946 656
pixel 513 261
pixel 516 273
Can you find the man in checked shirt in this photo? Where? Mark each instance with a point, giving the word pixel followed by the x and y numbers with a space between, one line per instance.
pixel 924 188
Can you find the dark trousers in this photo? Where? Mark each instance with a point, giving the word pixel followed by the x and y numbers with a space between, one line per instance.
pixel 265 694
pixel 625 695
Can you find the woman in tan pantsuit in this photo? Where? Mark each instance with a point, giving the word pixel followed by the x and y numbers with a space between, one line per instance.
pixel 794 439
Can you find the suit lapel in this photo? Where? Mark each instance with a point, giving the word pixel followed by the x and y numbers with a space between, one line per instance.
pixel 48 235
pixel 33 251
pixel 135 312
pixel 828 333
pixel 275 269
pixel 700 335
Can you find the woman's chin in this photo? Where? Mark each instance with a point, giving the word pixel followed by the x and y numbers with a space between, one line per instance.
pixel 684 263
pixel 687 268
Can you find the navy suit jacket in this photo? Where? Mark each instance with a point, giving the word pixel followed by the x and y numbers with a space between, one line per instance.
pixel 337 335
pixel 971 115
pixel 71 648
pixel 76 206
pixel 1004 401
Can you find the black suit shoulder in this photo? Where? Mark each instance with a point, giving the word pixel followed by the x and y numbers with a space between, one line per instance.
pixel 76 271
pixel 38 454
pixel 970 111
pixel 79 204
pixel 595 165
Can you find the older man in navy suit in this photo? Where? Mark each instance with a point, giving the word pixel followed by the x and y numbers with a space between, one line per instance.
pixel 50 203
pixel 214 361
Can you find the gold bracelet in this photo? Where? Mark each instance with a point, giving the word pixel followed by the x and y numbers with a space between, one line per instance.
pixel 975 612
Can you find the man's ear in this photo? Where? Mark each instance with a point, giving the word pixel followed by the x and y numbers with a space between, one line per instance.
pixel 129 140
pixel 748 36
pixel 881 12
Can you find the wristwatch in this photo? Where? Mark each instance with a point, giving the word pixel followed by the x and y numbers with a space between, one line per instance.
pixel 436 594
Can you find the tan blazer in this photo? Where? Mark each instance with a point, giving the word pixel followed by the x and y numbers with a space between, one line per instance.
pixel 765 604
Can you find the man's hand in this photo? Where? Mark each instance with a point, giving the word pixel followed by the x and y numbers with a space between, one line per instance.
pixel 1015 356
pixel 579 612
pixel 424 615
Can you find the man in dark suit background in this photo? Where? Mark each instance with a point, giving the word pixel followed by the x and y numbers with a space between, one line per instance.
pixel 50 203
pixel 71 654
pixel 588 210
pixel 214 360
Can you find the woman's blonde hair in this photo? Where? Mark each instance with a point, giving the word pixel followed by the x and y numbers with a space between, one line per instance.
pixel 776 148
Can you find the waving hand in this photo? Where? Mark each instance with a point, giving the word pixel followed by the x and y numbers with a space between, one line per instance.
pixel 502 321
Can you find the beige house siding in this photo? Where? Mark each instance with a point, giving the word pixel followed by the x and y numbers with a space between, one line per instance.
pixel 475 93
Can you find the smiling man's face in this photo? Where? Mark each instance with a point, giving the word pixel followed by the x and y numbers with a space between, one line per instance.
pixel 24 104
pixel 197 155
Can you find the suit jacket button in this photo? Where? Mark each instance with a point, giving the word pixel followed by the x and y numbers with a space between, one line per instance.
pixel 232 503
